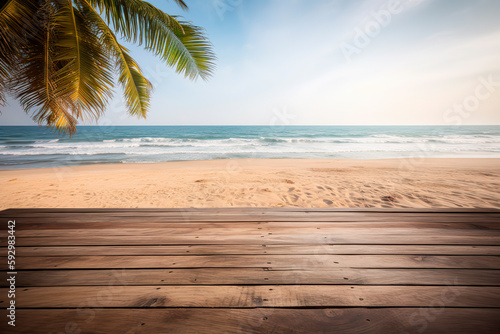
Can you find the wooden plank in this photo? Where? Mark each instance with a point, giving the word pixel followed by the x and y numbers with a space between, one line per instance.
pixel 319 262
pixel 254 276
pixel 251 230
pixel 260 260
pixel 259 320
pixel 153 221
pixel 337 238
pixel 254 296
pixel 45 227
pixel 229 249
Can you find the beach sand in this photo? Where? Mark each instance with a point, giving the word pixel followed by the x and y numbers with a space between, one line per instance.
pixel 401 183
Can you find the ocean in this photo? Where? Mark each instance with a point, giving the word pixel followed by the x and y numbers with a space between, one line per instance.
pixel 37 147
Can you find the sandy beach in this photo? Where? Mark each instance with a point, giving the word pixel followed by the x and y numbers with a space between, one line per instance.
pixel 403 183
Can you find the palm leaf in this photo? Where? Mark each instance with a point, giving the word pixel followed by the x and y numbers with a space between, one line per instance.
pixel 34 81
pixel 87 74
pixel 4 4
pixel 58 56
pixel 37 81
pixel 180 44
pixel 16 26
pixel 181 4
pixel 137 88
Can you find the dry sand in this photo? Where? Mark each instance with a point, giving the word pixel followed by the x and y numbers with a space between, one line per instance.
pixel 417 183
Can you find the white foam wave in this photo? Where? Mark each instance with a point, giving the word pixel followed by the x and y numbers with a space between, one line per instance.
pixel 142 146
pixel 47 141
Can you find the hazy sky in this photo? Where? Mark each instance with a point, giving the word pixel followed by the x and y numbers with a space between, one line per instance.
pixel 330 62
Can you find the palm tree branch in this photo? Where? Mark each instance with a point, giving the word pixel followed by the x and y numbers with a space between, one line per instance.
pixel 35 79
pixel 86 74
pixel 58 56
pixel 47 64
pixel 182 4
pixel 136 87
pixel 180 44
pixel 77 49
pixel 5 4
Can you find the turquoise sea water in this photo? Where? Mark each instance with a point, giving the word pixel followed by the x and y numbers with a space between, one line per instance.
pixel 34 147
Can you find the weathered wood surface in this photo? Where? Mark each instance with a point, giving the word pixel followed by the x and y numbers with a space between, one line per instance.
pixel 316 262
pixel 339 238
pixel 255 276
pixel 246 270
pixel 303 249
pixel 261 320
pixel 242 296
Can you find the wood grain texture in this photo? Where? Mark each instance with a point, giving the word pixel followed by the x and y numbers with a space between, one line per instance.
pixel 254 270
pixel 265 238
pixel 311 249
pixel 316 262
pixel 245 296
pixel 259 320
pixel 255 276
pixel 485 229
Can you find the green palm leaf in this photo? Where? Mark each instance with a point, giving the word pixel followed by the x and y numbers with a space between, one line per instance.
pixel 87 75
pixel 58 57
pixel 136 87
pixel 180 44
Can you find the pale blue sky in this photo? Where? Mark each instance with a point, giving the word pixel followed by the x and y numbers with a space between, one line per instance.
pixel 329 62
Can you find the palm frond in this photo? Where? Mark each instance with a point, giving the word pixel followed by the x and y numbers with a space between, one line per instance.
pixel 16 27
pixel 181 4
pixel 4 78
pixel 61 119
pixel 34 81
pixel 58 57
pixel 4 4
pixel 87 74
pixel 180 44
pixel 37 81
pixel 191 53
pixel 137 88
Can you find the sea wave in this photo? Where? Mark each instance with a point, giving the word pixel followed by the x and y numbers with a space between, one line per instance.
pixel 136 147
pixel 185 142
pixel 47 141
pixel 249 150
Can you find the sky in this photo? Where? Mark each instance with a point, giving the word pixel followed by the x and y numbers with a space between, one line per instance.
pixel 328 62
